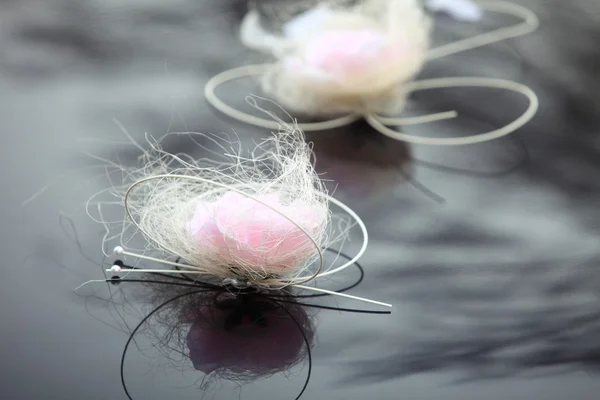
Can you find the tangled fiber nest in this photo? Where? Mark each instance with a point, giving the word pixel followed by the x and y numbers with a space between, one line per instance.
pixel 260 220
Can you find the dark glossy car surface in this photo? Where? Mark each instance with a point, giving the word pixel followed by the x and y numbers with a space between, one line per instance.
pixel 495 289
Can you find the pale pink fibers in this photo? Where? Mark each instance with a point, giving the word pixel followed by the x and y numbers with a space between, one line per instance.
pixel 240 230
pixel 342 54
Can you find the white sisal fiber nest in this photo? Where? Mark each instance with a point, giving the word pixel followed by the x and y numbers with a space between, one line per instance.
pixel 260 220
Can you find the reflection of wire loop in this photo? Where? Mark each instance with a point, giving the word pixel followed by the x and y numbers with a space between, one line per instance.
pixel 207 287
pixel 308 351
pixel 164 304
pixel 142 322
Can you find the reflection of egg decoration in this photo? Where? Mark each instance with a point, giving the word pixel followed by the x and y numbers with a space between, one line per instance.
pixel 233 334
pixel 245 336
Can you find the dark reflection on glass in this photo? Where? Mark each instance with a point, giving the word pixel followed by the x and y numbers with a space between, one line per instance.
pixel 246 337
pixel 494 323
pixel 359 160
pixel 363 163
pixel 227 333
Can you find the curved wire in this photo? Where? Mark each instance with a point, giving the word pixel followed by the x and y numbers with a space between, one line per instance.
pixel 209 287
pixel 524 158
pixel 259 69
pixel 378 122
pixel 436 83
pixel 268 298
pixel 352 310
pixel 342 290
pixel 164 304
pixel 228 187
pixel 138 326
pixel 255 70
pixel 292 281
pixel 195 283
pixel 530 23
pixel 308 350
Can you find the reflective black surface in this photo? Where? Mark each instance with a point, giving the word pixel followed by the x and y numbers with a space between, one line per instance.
pixel 495 289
